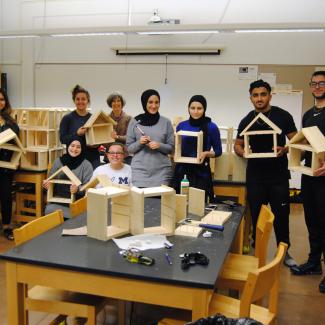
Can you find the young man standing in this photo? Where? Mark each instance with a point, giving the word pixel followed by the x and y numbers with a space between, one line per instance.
pixel 313 187
pixel 267 179
pixel 116 170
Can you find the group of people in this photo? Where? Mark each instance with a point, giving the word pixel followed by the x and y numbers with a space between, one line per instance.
pixel 147 141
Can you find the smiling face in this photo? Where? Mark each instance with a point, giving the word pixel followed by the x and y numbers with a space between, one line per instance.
pixel 74 148
pixel 115 156
pixel 117 106
pixel 153 104
pixel 81 101
pixel 260 98
pixel 317 87
pixel 196 110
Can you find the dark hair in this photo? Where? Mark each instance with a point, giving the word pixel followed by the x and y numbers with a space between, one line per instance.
pixel 115 144
pixel 78 89
pixel 318 73
pixel 113 96
pixel 259 83
pixel 7 110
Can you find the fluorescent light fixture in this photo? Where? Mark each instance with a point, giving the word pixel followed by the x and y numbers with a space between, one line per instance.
pixel 17 36
pixel 279 30
pixel 165 29
pixel 179 32
pixel 86 34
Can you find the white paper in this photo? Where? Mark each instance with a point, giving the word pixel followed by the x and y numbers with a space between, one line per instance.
pixel 143 242
pixel 82 231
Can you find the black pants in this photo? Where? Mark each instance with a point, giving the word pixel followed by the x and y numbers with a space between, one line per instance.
pixel 277 194
pixel 6 178
pixel 313 195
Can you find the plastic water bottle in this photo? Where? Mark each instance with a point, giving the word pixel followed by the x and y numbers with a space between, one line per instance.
pixel 185 184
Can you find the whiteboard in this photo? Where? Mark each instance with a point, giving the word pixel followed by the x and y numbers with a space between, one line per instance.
pixel 291 101
pixel 226 93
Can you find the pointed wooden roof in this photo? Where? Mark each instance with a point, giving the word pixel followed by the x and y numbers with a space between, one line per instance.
pixel 9 135
pixel 266 120
pixel 67 171
pixel 313 135
pixel 99 118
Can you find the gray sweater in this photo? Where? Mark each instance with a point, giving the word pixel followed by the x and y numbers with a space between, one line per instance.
pixel 151 167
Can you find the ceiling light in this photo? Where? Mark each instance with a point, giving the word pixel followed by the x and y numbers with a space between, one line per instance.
pixel 86 34
pixel 279 30
pixel 17 36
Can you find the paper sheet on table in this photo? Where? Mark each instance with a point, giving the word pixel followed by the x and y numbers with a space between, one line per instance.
pixel 143 242
pixel 81 231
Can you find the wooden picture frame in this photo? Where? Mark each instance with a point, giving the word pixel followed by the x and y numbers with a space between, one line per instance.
pixel 178 158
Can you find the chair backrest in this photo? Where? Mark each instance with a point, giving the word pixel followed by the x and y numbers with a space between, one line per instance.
pixel 38 226
pixel 263 282
pixel 78 207
pixel 263 234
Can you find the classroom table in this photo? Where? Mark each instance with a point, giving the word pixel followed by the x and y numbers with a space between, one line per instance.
pixel 87 265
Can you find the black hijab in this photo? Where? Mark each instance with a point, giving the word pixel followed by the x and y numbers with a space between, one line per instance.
pixel 148 119
pixel 73 162
pixel 203 121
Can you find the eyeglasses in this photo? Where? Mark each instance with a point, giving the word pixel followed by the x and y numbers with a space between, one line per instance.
pixel 314 84
pixel 118 153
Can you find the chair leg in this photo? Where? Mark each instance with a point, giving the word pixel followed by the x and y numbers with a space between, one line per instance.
pixel 121 312
pixel 91 316
pixel 59 320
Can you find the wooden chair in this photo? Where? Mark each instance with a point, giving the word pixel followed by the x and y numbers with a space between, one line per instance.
pixel 78 207
pixel 53 301
pixel 236 266
pixel 260 283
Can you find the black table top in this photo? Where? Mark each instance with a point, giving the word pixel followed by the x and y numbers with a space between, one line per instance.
pixel 83 254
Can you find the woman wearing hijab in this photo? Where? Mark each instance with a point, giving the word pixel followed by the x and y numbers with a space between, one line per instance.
pixel 199 175
pixel 82 168
pixel 150 138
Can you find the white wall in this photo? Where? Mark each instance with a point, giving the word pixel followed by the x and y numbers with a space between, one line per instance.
pixel 22 59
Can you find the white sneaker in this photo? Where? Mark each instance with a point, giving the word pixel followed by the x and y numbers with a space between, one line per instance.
pixel 289 261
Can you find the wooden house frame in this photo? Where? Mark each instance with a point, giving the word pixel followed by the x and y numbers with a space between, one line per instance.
pixel 308 139
pixel 246 133
pixel 99 128
pixel 114 200
pixel 168 204
pixel 72 179
pixel 16 148
pixel 178 158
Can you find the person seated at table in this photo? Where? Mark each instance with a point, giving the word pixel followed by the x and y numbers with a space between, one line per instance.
pixel 150 138
pixel 82 169
pixel 199 175
pixel 115 170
